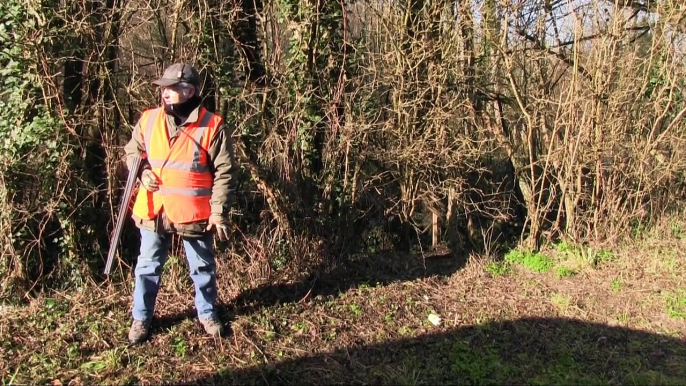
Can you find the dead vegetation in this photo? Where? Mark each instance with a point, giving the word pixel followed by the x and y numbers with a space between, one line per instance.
pixel 360 126
pixel 385 319
pixel 382 144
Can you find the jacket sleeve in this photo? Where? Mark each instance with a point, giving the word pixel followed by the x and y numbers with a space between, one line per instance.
pixel 225 171
pixel 134 147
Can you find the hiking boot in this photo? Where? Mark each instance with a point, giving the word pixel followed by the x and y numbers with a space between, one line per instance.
pixel 139 331
pixel 213 326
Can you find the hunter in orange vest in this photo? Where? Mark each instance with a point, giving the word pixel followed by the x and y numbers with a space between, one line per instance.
pixel 187 187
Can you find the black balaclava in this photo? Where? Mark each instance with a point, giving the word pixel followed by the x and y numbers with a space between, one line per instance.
pixel 181 111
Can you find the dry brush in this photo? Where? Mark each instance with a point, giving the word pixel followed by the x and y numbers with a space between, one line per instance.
pixel 359 125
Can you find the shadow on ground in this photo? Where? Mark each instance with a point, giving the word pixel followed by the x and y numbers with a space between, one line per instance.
pixel 374 270
pixel 528 351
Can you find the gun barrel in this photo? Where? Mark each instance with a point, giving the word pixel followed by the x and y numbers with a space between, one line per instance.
pixel 123 208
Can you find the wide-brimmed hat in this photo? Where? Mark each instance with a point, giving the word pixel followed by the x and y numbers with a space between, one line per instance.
pixel 179 73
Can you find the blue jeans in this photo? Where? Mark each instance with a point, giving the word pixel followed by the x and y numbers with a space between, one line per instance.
pixel 153 254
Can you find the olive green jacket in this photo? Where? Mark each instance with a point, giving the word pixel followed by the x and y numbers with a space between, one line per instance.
pixel 222 164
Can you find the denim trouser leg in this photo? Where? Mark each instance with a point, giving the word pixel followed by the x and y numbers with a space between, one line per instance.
pixel 153 254
pixel 200 255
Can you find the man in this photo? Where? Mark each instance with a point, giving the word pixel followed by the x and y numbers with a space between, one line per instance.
pixel 187 186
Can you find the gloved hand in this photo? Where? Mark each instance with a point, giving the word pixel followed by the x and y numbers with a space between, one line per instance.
pixel 149 181
pixel 221 224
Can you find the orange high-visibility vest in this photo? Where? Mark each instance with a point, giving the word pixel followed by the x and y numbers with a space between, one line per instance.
pixel 182 168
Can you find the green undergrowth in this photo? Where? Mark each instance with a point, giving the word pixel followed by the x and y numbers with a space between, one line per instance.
pixel 533 261
pixel 676 304
pixel 563 259
pixel 455 325
pixel 338 339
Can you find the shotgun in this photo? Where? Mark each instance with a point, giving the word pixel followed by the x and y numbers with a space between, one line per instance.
pixel 123 208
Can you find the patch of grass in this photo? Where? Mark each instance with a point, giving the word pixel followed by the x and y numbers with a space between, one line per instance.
pixel 556 372
pixel 363 286
pixel 533 261
pixel 669 263
pixel 490 355
pixel 563 247
pixel 616 285
pixel 299 327
pixel 73 351
pixel 410 373
pixel 478 364
pixel 676 230
pixel 653 378
pixel 330 336
pixel 584 254
pixel 561 301
pixel 355 309
pixel 389 318
pixel 601 256
pixel 676 304
pixel 10 380
pixel 172 265
pixel 638 228
pixel 406 331
pixel 179 346
pixel 496 269
pixel 565 272
pixel 93 367
pixel 107 360
pixel 43 365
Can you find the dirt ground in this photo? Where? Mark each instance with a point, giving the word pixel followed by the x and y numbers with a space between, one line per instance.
pixel 590 317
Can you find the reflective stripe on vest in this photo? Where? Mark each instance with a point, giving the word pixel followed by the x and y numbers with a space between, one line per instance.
pixel 182 167
pixel 186 192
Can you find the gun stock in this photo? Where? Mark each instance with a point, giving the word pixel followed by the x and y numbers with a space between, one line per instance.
pixel 123 208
